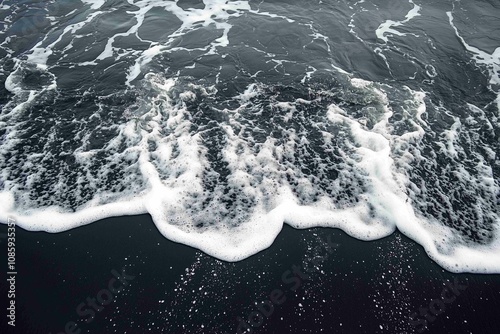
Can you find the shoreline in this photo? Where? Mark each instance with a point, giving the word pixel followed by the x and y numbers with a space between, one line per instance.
pixel 479 259
pixel 361 287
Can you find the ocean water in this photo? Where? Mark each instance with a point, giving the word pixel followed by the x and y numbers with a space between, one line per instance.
pixel 226 119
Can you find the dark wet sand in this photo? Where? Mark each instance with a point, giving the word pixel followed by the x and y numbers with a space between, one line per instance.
pixel 354 287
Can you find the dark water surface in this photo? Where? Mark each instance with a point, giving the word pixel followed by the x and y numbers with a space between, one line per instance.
pixel 223 121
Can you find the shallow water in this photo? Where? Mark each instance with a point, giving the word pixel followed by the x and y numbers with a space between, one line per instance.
pixel 225 119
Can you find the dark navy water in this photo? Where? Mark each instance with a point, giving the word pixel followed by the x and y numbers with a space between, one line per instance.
pixel 225 119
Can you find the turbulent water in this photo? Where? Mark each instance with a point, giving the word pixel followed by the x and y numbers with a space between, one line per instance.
pixel 225 119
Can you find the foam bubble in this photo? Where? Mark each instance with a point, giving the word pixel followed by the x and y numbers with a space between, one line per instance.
pixel 222 164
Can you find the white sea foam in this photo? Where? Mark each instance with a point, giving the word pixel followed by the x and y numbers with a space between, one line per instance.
pixel 483 59
pixel 95 4
pixel 259 177
pixel 387 28
pixel 226 188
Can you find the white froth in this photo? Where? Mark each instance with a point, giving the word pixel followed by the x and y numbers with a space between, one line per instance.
pixel 483 59
pixel 274 201
pixel 94 4
pixel 174 169
pixel 386 28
